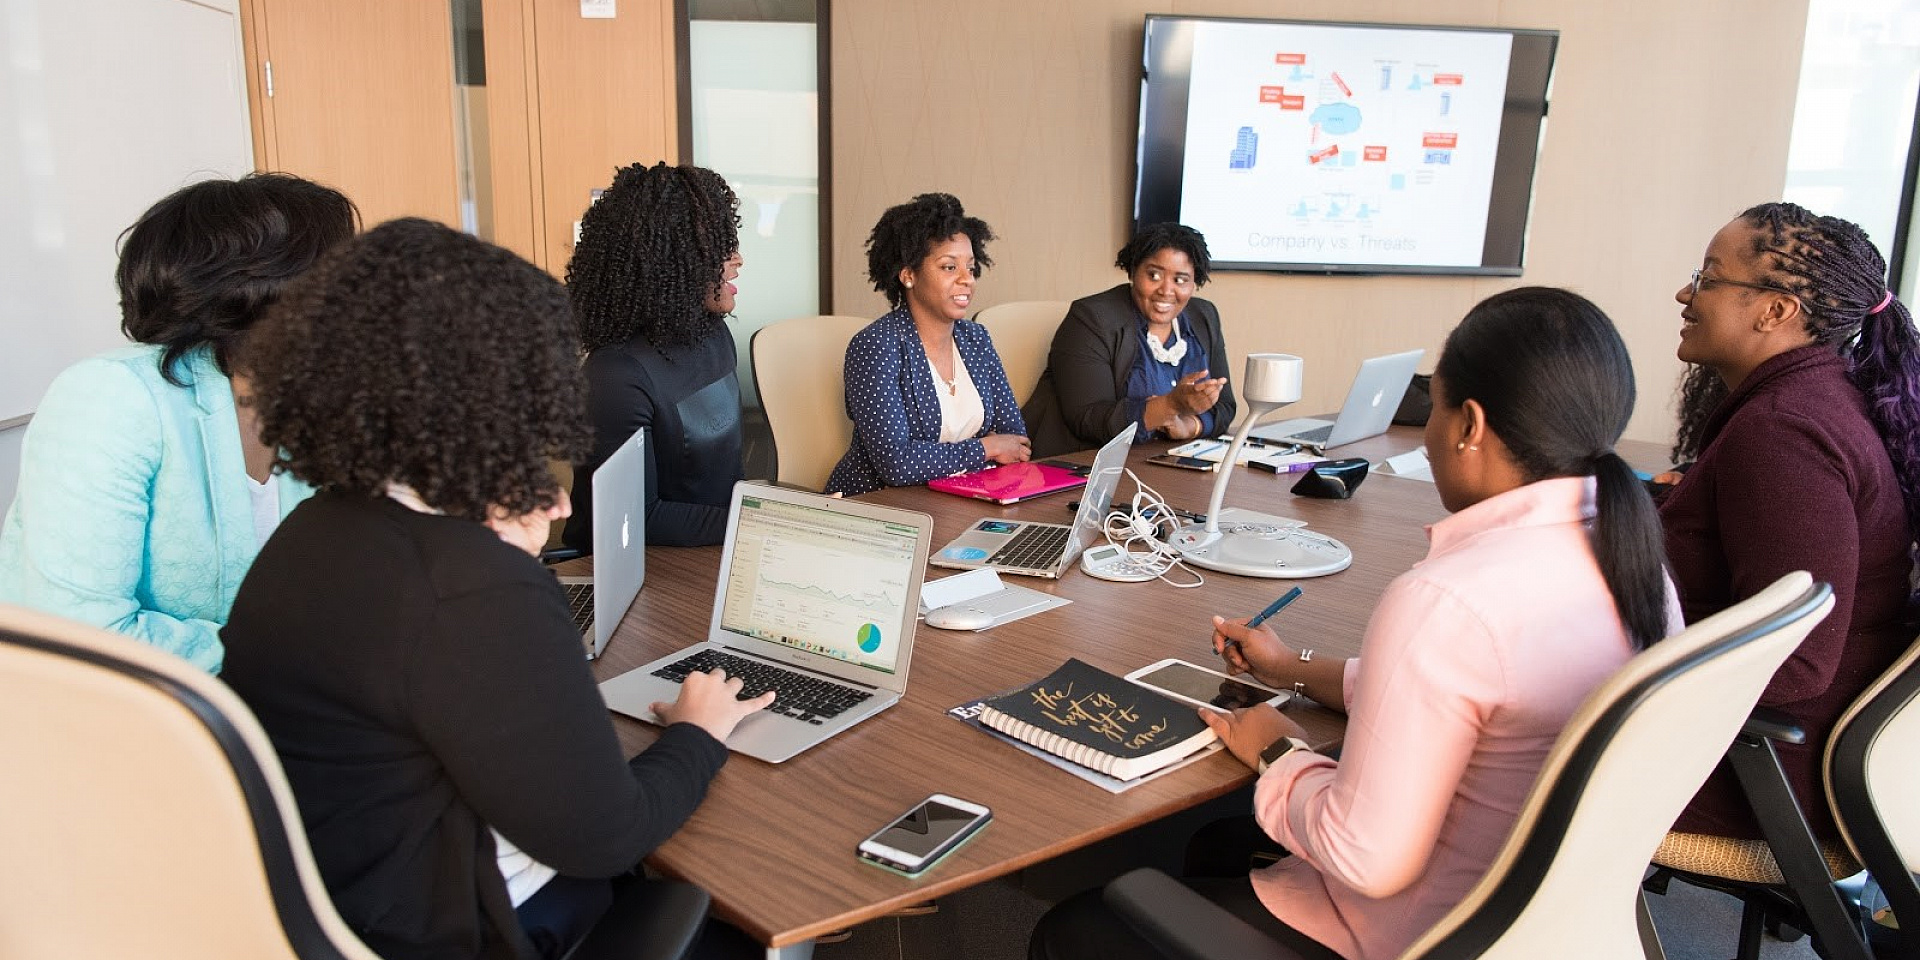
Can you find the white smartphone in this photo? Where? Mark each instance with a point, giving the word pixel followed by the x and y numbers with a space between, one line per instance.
pixel 1203 687
pixel 920 837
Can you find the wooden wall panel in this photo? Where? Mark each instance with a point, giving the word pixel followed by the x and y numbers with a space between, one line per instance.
pixel 1667 119
pixel 362 100
pixel 605 98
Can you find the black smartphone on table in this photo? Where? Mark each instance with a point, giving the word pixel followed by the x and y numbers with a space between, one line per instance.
pixel 918 838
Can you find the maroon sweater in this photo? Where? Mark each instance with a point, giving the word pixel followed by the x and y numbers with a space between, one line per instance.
pixel 1792 475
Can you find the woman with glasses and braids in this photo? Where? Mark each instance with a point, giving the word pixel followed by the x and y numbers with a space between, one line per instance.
pixel 1542 582
pixel 652 284
pixel 1801 414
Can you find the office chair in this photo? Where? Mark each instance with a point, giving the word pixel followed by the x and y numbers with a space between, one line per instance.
pixel 1873 783
pixel 798 368
pixel 1567 882
pixel 1788 882
pixel 1022 334
pixel 147 816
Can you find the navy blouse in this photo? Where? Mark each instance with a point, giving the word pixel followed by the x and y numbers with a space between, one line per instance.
pixel 895 407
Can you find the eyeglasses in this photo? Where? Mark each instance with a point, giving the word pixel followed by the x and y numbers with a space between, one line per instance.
pixel 1700 279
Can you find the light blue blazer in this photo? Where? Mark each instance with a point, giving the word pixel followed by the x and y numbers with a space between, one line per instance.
pixel 132 512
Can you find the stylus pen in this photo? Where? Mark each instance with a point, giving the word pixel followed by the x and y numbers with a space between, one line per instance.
pixel 1261 617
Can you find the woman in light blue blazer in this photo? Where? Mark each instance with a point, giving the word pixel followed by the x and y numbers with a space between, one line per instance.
pixel 925 389
pixel 145 491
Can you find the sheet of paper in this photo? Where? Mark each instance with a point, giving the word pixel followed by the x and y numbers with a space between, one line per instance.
pixel 1216 450
pixel 1413 465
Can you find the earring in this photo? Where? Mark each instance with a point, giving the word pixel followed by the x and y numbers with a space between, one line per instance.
pixel 1462 445
pixel 909 284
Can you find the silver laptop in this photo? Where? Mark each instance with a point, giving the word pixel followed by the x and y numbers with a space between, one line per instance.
pixel 1368 412
pixel 619 547
pixel 817 601
pixel 1042 549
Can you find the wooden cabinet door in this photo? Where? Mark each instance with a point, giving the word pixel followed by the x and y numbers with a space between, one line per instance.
pixel 358 94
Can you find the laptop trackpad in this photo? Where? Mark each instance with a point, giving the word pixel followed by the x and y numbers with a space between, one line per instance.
pixel 1287 428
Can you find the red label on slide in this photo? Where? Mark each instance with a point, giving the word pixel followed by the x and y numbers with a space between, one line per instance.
pixel 1332 151
pixel 1446 79
pixel 1293 103
pixel 1272 94
pixel 1289 58
pixel 1444 140
pixel 1373 153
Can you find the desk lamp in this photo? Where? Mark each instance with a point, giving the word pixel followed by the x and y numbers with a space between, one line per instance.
pixel 1257 544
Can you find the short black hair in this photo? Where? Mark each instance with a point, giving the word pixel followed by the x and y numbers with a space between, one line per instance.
pixel 416 354
pixel 203 264
pixel 904 235
pixel 651 250
pixel 1155 237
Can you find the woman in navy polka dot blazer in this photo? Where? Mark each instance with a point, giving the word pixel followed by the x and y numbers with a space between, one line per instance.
pixel 925 389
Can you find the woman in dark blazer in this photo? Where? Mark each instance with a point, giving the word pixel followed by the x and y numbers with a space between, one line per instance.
pixel 1142 352
pixel 925 389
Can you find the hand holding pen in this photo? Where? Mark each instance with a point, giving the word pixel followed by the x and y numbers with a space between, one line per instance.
pixel 1230 639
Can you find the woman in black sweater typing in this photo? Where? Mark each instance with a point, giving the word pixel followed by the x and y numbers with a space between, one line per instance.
pixel 415 666
pixel 652 286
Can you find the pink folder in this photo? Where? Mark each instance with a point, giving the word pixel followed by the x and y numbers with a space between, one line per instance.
pixel 1010 483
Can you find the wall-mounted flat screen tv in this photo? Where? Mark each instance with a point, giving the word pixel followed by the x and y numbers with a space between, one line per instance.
pixel 1343 147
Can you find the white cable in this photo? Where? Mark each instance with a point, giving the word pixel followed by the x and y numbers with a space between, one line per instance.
pixel 1143 534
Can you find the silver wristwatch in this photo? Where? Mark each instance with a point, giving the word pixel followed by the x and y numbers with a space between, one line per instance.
pixel 1280 748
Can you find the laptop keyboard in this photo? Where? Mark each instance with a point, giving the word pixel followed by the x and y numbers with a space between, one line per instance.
pixel 580 604
pixel 1316 435
pixel 800 696
pixel 1034 548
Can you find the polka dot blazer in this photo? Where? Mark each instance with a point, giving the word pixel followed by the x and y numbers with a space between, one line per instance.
pixel 895 409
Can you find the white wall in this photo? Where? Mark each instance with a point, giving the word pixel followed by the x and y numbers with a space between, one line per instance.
pixel 10 464
pixel 105 107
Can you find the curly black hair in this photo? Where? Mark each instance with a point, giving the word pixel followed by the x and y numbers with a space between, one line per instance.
pixel 204 263
pixel 1155 237
pixel 419 355
pixel 651 250
pixel 905 235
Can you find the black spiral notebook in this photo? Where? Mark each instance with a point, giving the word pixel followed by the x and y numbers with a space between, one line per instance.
pixel 1095 719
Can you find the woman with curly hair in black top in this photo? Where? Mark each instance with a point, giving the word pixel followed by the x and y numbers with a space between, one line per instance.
pixel 925 389
pixel 652 285
pixel 415 666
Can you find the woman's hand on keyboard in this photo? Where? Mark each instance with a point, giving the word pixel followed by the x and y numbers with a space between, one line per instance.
pixel 707 700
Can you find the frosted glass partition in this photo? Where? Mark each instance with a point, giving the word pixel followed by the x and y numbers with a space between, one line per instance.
pixel 755 112
pixel 1854 115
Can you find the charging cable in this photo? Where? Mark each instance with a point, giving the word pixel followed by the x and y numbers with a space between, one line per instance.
pixel 1143 535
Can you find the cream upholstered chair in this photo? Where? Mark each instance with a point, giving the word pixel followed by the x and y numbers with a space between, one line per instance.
pixel 1567 883
pixel 1871 769
pixel 1873 782
pixel 146 815
pixel 1023 335
pixel 798 368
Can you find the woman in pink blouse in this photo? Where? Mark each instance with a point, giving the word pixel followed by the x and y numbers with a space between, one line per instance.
pixel 1544 581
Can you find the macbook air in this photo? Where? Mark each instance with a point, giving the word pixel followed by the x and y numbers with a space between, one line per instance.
pixel 1368 412
pixel 817 601
pixel 1042 549
pixel 619 547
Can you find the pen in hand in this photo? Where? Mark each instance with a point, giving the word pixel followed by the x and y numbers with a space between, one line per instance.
pixel 1261 617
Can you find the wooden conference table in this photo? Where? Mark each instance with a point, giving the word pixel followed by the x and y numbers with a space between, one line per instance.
pixel 774 844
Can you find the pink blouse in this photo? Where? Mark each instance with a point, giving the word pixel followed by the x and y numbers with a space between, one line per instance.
pixel 1474 660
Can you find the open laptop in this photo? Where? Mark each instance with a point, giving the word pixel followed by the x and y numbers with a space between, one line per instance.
pixel 1368 412
pixel 1042 549
pixel 619 546
pixel 817 601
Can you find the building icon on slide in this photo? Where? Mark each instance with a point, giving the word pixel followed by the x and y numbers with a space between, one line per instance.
pixel 1246 146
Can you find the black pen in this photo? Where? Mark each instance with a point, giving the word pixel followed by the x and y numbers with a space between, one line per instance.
pixel 1261 617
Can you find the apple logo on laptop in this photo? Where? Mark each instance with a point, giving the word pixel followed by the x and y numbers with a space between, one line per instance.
pixel 626 530
pixel 1377 397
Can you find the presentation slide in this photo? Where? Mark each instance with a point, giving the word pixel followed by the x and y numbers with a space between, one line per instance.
pixel 1322 144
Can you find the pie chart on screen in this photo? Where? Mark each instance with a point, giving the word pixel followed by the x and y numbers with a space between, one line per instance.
pixel 869 638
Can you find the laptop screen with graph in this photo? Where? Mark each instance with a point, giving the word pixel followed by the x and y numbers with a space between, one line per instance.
pixel 824 581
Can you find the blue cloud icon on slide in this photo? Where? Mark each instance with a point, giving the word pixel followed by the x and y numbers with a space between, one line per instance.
pixel 1336 118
